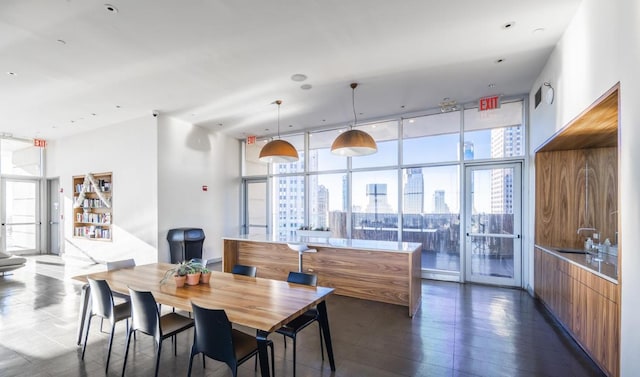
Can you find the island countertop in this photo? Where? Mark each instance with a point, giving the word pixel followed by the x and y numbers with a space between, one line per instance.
pixel 341 243
pixel 384 271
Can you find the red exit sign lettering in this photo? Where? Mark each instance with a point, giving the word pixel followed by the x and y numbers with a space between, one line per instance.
pixel 251 140
pixel 489 103
pixel 41 143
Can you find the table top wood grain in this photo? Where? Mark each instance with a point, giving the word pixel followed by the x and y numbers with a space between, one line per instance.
pixel 263 304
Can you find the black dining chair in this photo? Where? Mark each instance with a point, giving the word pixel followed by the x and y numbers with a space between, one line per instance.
pixel 241 269
pixel 102 306
pixel 145 317
pixel 117 265
pixel 292 328
pixel 215 338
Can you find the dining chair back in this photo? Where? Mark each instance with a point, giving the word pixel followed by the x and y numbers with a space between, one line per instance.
pixel 292 328
pixel 118 264
pixel 241 269
pixel 145 317
pixel 215 338
pixel 302 278
pixel 102 305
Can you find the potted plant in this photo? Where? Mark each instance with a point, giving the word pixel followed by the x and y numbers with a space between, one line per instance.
pixel 193 273
pixel 179 272
pixel 205 275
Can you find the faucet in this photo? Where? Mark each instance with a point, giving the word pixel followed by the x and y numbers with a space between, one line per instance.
pixel 581 229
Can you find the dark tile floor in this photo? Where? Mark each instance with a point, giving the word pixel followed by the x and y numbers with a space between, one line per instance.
pixel 460 330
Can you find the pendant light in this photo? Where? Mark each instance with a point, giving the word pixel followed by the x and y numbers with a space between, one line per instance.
pixel 354 142
pixel 278 150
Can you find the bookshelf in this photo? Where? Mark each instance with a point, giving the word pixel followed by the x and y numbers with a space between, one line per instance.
pixel 92 210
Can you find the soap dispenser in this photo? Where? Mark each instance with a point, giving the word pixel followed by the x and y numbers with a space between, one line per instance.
pixel 588 244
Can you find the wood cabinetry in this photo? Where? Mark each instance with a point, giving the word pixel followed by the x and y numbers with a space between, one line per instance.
pixel 586 304
pixel 92 212
pixel 386 276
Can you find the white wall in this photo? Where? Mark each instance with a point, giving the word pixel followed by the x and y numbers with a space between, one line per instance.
pixel 188 158
pixel 601 47
pixel 129 151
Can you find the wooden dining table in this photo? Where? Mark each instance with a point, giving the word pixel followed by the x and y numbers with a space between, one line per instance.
pixel 262 304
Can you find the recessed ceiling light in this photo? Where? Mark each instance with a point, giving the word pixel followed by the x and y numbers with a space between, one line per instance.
pixel 94 114
pixel 492 85
pixel 220 124
pixel 305 86
pixel 412 120
pixel 266 129
pixel 402 107
pixel 12 74
pixel 118 106
pixel 324 120
pixel 299 77
pixel 291 125
pixel 509 25
pixel 62 41
pixel 538 30
pixel 498 61
pixel 111 8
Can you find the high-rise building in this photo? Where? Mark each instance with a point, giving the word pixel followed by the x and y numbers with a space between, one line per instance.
pixel 439 204
pixel 377 199
pixel 345 194
pixel 468 150
pixel 322 203
pixel 505 142
pixel 414 191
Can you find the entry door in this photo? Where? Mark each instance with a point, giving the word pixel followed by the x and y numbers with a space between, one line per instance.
pixel 20 216
pixel 53 228
pixel 493 221
pixel 255 207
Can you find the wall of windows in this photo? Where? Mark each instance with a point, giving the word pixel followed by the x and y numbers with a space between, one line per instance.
pixel 410 190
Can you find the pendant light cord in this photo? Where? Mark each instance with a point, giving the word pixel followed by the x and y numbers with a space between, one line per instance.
pixel 278 102
pixel 353 103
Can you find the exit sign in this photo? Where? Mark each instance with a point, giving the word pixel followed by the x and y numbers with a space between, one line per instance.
pixel 489 103
pixel 41 143
pixel 251 140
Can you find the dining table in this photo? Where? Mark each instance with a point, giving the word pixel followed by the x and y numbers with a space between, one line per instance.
pixel 259 303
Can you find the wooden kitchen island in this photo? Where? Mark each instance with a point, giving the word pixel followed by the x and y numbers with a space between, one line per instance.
pixel 382 271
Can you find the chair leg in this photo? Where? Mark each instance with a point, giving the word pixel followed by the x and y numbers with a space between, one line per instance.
pixel 113 330
pixel 294 356
pixel 284 337
pixel 158 357
pixel 126 350
pixel 190 362
pixel 86 335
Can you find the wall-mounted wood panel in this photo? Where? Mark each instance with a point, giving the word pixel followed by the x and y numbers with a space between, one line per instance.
pixel 576 189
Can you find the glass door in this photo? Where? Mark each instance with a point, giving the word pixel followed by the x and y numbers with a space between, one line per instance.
pixel 255 207
pixel 20 216
pixel 493 217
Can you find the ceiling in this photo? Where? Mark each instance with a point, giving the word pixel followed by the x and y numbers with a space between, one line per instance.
pixel 71 66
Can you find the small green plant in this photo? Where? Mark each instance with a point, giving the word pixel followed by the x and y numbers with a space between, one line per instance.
pixel 181 269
